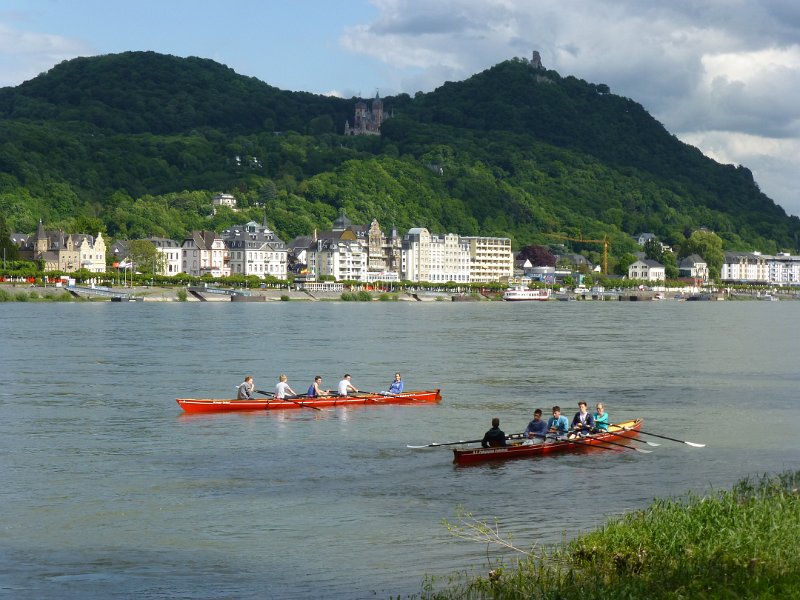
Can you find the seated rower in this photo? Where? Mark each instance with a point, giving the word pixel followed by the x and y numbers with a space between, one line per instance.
pixel 282 388
pixel 345 386
pixel 536 430
pixel 494 437
pixel 396 387
pixel 314 391
pixel 600 418
pixel 582 422
pixel 246 389
pixel 558 424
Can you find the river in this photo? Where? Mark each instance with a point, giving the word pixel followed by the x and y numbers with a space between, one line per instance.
pixel 110 491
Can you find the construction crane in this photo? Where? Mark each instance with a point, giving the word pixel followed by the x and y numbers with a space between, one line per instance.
pixel 604 241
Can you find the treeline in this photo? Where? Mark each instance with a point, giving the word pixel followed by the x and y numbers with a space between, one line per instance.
pixel 135 144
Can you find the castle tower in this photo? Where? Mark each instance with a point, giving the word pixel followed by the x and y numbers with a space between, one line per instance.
pixel 377 111
pixel 42 242
pixel 360 123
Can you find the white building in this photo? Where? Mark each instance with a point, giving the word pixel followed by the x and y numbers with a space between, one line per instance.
pixel 204 252
pixel 92 252
pixel 254 249
pixel 171 251
pixel 760 269
pixel 647 270
pixel 490 258
pixel 694 266
pixel 784 269
pixel 344 259
pixel 744 267
pixel 224 200
pixel 434 258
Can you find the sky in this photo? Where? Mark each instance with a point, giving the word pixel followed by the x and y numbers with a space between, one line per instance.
pixel 722 75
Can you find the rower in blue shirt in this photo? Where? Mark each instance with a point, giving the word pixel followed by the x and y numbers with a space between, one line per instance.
pixel 537 428
pixel 600 418
pixel 558 424
pixel 396 386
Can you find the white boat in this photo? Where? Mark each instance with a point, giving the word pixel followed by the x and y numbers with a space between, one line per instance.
pixel 520 294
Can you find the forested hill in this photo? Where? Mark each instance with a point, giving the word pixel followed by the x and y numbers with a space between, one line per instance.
pixel 137 143
pixel 146 92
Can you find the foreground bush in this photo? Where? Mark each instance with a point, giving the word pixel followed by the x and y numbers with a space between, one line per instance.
pixel 361 296
pixel 743 543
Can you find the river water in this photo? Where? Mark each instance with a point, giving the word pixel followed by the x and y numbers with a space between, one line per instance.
pixel 109 491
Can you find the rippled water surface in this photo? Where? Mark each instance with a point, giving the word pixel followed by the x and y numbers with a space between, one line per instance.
pixel 108 490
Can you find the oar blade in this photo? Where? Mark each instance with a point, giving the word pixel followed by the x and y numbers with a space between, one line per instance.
pixel 695 444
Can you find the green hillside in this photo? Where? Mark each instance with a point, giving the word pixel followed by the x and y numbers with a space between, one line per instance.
pixel 137 143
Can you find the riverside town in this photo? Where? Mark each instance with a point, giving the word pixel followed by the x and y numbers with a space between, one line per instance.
pixel 365 257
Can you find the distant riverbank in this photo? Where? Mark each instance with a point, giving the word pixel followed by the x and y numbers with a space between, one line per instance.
pixel 30 293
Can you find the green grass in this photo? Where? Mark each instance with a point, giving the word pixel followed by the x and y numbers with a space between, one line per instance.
pixel 23 296
pixel 741 543
pixel 361 296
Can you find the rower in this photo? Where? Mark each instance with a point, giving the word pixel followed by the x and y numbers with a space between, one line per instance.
pixel 282 388
pixel 536 429
pixel 494 437
pixel 345 385
pixel 396 387
pixel 558 423
pixel 246 389
pixel 582 422
pixel 314 390
pixel 600 418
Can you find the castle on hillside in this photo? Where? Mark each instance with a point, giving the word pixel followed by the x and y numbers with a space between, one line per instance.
pixel 367 121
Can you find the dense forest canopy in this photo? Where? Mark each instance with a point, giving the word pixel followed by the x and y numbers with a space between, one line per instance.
pixel 136 144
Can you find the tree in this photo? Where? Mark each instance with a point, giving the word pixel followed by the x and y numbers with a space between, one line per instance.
pixel 708 245
pixel 90 225
pixel 145 257
pixel 268 193
pixel 538 255
pixel 653 250
pixel 8 248
pixel 670 263
pixel 625 261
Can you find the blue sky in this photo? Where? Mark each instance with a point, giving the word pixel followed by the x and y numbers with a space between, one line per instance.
pixel 722 75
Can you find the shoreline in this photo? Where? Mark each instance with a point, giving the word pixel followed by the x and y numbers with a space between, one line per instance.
pixel 171 294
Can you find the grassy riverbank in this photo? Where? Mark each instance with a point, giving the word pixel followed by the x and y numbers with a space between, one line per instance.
pixel 742 543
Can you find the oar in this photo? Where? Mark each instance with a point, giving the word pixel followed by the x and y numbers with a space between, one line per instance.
pixel 627 437
pixel 693 444
pixel 289 400
pixel 435 445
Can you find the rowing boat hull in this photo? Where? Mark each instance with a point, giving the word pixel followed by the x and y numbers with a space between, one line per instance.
pixel 203 405
pixel 616 434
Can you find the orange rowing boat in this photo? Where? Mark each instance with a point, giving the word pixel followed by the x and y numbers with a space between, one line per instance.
pixel 619 434
pixel 202 405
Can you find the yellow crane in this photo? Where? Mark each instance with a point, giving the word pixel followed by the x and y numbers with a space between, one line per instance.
pixel 604 241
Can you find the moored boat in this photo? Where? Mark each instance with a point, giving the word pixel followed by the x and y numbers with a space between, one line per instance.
pixel 202 405
pixel 519 294
pixel 620 433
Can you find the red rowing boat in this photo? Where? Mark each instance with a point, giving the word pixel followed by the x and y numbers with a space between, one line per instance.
pixel 620 433
pixel 201 405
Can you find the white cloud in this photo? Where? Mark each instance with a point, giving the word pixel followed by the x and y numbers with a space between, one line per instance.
pixel 26 54
pixel 723 74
